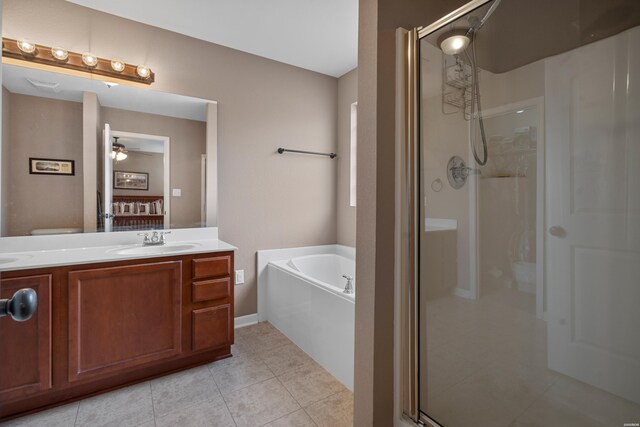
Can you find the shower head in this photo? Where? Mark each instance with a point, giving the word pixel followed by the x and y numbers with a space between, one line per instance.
pixel 454 42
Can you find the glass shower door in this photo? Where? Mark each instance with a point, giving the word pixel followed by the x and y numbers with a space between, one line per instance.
pixel 529 228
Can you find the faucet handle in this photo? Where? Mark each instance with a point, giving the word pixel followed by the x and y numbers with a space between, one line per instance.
pixel 347 277
pixel 143 234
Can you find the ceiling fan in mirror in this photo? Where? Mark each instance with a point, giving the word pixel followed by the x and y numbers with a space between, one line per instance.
pixel 118 150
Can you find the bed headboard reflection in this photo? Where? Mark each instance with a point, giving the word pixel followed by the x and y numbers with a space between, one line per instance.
pixel 137 212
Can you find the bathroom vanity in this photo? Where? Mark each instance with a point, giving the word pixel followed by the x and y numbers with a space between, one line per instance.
pixel 102 325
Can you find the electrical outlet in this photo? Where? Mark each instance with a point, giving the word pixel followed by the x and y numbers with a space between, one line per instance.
pixel 176 192
pixel 239 277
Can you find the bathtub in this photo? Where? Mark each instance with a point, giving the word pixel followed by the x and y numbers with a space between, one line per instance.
pixel 303 297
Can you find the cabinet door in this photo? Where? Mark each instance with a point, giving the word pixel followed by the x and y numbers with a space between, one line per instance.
pixel 211 327
pixel 25 347
pixel 122 317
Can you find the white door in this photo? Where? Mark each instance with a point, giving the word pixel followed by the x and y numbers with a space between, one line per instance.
pixel 108 177
pixel 593 213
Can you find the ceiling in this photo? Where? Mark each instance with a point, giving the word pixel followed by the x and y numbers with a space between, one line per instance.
pixel 523 31
pixel 27 81
pixel 317 35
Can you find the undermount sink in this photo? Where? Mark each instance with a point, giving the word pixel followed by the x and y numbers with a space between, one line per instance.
pixel 151 250
pixel 12 258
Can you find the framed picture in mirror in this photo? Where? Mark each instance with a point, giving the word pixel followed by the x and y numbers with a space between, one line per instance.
pixel 130 180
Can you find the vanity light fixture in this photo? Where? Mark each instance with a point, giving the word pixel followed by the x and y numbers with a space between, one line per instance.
pixel 117 65
pixel 27 54
pixel 89 59
pixel 59 53
pixel 143 71
pixel 26 47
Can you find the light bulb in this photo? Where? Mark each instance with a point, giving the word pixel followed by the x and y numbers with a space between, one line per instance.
pixel 26 46
pixel 121 156
pixel 89 59
pixel 113 154
pixel 59 53
pixel 143 71
pixel 117 65
pixel 454 42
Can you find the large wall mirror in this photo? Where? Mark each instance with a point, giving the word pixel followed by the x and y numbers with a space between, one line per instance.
pixel 81 155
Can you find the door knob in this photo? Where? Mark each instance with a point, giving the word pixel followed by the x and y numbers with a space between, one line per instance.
pixel 21 306
pixel 557 231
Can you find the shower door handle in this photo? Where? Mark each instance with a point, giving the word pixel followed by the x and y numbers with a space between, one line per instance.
pixel 21 306
pixel 557 231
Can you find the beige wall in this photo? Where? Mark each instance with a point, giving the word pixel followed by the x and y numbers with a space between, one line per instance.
pixel 6 126
pixel 188 143
pixel 265 200
pixel 347 95
pixel 374 370
pixel 151 163
pixel 91 153
pixel 46 128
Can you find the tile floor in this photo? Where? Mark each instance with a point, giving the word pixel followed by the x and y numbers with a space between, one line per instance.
pixel 487 366
pixel 268 382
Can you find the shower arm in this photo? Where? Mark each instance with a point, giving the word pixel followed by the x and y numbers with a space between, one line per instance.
pixel 478 23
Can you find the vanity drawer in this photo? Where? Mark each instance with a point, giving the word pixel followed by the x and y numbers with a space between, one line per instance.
pixel 211 327
pixel 211 289
pixel 211 267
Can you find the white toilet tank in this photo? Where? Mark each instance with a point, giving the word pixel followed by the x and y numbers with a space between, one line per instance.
pixel 49 231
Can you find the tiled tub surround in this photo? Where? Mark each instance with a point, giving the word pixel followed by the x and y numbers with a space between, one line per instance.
pixel 268 381
pixel 21 253
pixel 300 292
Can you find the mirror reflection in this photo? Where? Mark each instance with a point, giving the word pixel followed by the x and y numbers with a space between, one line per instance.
pixel 82 155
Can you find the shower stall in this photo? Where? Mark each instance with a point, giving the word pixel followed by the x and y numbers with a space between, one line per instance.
pixel 520 215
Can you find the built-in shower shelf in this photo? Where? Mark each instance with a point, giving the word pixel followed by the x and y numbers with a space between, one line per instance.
pixel 514 151
pixel 503 177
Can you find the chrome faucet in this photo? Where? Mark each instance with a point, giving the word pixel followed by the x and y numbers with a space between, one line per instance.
pixel 155 239
pixel 348 289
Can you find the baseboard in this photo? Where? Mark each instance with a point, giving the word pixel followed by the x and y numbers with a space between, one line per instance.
pixel 248 320
pixel 463 293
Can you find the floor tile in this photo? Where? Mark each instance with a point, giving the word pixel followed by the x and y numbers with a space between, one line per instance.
pixel 295 419
pixel 176 391
pixel 468 404
pixel 238 372
pixel 597 404
pixel 310 383
pixel 333 411
pixel 129 406
pixel 546 412
pixel 285 358
pixel 260 403
pixel 62 416
pixel 213 413
pixel 264 337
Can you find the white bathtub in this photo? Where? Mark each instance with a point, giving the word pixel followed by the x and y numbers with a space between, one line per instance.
pixel 303 297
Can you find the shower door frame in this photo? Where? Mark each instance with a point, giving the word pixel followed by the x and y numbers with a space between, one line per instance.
pixel 408 226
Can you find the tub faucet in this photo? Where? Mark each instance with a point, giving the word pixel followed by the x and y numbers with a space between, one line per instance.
pixel 348 289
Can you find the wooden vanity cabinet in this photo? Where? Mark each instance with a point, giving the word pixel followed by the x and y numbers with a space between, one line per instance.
pixel 103 326
pixel 25 347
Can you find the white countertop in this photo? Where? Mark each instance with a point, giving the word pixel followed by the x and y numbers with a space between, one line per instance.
pixel 22 253
pixel 440 224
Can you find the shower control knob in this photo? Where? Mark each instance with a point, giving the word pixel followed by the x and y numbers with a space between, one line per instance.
pixel 557 231
pixel 21 306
